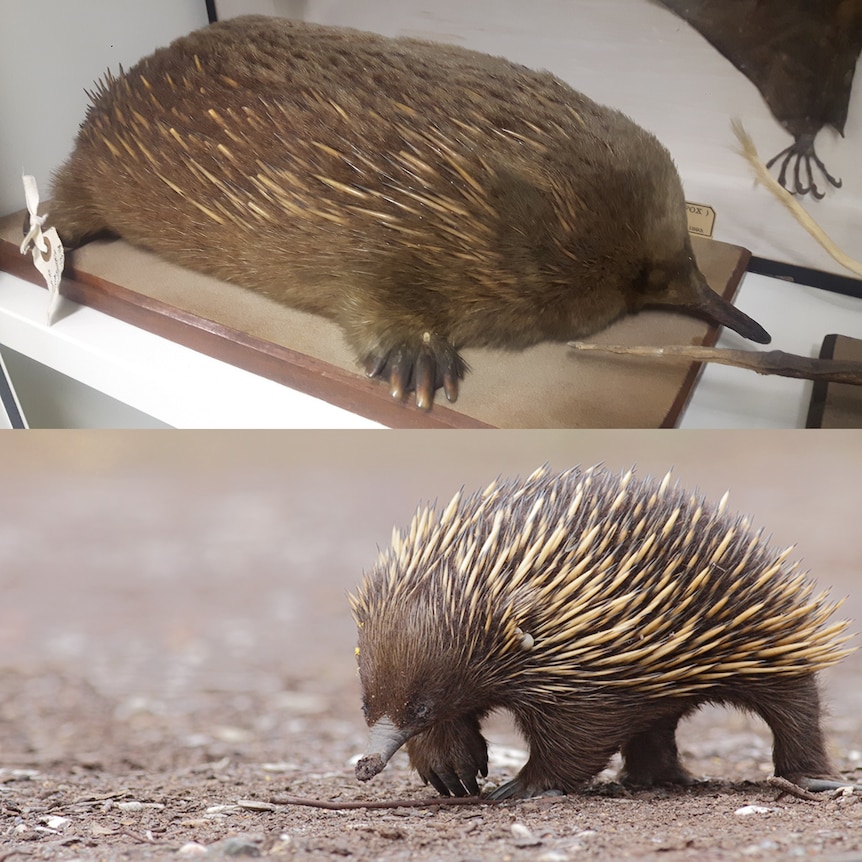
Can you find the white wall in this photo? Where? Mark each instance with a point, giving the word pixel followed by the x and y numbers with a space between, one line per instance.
pixel 50 51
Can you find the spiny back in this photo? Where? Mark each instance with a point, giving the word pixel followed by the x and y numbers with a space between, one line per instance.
pixel 255 122
pixel 589 578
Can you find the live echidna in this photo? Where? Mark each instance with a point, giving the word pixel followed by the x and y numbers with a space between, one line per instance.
pixel 424 197
pixel 599 610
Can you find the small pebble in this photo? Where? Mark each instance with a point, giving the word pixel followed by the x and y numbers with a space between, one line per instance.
pixel 56 822
pixel 752 809
pixel 524 837
pixel 282 845
pixel 552 856
pixel 192 848
pixel 232 735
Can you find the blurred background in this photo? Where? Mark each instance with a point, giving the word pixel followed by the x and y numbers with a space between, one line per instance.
pixel 188 590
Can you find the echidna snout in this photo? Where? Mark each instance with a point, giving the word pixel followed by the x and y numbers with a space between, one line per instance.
pixel 599 610
pixel 383 741
pixel 679 284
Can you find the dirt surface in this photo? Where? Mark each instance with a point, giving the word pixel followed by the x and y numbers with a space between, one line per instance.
pixel 176 651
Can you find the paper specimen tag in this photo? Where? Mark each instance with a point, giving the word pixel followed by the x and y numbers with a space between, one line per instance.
pixel 47 250
pixel 701 218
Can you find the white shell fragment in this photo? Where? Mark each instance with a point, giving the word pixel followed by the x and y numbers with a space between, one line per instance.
pixel 255 805
pixel 747 810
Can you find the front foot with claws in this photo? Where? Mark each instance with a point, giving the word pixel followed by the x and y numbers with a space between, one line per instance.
pixel 450 755
pixel 423 367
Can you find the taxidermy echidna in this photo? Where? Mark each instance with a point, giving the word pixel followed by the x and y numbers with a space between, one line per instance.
pixel 425 197
pixel 599 610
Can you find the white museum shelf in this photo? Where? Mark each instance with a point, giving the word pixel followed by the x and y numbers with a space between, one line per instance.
pixel 186 389
pixel 171 383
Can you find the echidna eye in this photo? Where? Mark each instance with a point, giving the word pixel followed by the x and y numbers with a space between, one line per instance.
pixel 420 711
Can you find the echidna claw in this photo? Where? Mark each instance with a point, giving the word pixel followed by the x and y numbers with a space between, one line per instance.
pixel 822 785
pixel 448 783
pixel 424 374
pixel 421 367
pixel 400 371
pixel 450 386
pixel 516 789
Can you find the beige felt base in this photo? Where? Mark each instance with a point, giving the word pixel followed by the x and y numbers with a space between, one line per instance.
pixel 547 386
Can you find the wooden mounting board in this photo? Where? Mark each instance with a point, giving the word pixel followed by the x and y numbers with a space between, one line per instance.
pixel 547 386
pixel 837 405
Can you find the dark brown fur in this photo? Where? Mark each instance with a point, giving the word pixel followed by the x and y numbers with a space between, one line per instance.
pixel 682 606
pixel 423 196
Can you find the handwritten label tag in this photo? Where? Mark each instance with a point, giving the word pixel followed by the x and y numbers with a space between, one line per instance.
pixel 47 250
pixel 701 219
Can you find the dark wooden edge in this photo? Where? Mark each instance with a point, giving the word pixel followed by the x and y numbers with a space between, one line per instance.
pixel 353 392
pixel 696 368
pixel 820 389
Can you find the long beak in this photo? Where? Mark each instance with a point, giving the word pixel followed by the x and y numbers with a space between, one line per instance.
pixel 384 740
pixel 715 308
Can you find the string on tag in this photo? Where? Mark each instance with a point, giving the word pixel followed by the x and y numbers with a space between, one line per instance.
pixel 46 247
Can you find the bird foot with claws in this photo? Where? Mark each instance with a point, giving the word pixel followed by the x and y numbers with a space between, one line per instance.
pixel 801 153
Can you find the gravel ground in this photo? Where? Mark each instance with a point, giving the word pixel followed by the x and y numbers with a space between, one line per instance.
pixel 176 650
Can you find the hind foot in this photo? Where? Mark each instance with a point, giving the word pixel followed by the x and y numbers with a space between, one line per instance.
pixel 651 758
pixel 518 788
pixel 676 776
pixel 819 785
pixel 422 367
